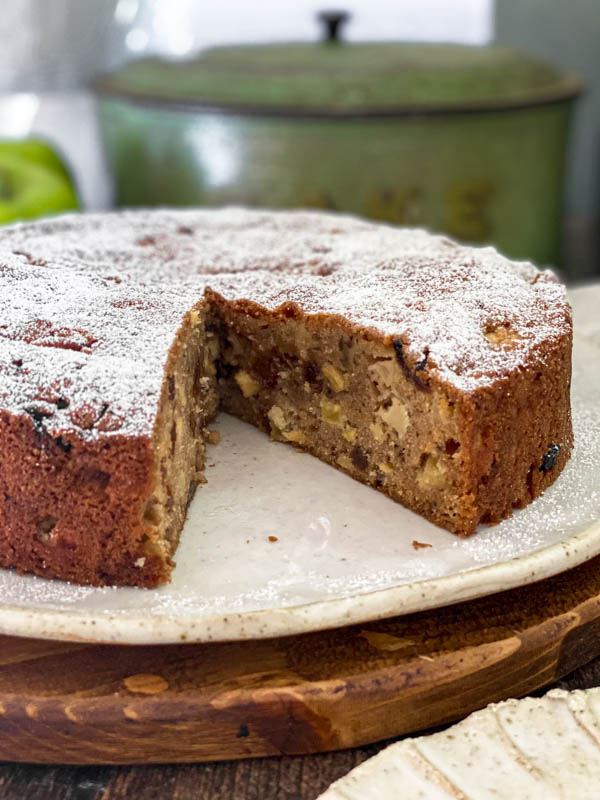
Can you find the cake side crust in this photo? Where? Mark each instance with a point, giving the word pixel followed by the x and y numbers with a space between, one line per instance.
pixel 73 509
pixel 522 435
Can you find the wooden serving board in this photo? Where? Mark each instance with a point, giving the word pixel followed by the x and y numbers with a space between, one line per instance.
pixel 86 704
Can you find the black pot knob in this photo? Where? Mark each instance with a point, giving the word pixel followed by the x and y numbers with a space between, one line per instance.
pixel 332 23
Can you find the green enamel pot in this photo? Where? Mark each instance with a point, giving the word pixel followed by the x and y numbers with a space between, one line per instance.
pixel 470 141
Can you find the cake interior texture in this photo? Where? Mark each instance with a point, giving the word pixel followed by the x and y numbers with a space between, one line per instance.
pixel 188 402
pixel 362 405
pixel 441 380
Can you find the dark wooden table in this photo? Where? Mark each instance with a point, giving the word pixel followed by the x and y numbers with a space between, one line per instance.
pixel 288 778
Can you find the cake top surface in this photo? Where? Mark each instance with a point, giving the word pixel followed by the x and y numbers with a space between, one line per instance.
pixel 93 302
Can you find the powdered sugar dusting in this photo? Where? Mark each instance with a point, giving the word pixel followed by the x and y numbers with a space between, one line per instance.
pixel 94 301
pixel 77 352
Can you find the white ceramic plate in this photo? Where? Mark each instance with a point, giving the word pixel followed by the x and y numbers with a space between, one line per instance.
pixel 544 748
pixel 343 553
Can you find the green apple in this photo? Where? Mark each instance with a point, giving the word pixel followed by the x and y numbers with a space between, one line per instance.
pixel 39 151
pixel 34 182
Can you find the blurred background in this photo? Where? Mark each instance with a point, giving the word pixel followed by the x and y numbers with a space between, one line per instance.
pixel 475 117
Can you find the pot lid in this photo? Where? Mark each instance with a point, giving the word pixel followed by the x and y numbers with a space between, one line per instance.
pixel 338 78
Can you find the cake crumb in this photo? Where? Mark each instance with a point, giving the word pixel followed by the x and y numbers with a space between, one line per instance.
pixel 419 545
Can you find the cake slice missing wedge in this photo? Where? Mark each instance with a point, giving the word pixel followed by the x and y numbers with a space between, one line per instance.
pixel 438 374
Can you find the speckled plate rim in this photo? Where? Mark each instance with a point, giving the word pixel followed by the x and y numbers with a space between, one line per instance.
pixel 140 628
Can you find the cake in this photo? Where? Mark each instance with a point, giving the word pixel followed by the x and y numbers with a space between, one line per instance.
pixel 436 373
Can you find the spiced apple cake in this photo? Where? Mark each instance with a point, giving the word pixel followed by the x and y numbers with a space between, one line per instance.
pixel 434 372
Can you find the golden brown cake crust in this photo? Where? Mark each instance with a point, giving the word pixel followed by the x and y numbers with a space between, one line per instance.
pixel 94 304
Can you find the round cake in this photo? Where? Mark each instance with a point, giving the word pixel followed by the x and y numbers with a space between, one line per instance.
pixel 437 373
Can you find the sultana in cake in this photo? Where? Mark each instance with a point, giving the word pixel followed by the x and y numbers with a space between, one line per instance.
pixel 436 373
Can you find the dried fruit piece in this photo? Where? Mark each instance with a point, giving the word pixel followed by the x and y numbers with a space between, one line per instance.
pixel 277 417
pixel 384 373
pixel 64 446
pixel 334 377
pixel 311 373
pixel 349 433
pixel 38 415
pixel 433 474
pixel 224 370
pixel 359 458
pixel 247 383
pixel 549 460
pixel 344 462
pixel 266 367
pixel 411 374
pixel 331 412
pixel 395 416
